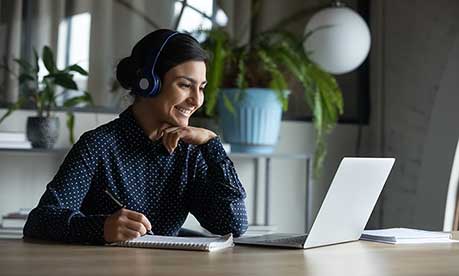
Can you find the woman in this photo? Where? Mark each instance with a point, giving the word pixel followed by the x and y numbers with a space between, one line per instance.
pixel 149 159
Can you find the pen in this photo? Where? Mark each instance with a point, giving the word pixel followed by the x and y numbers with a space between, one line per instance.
pixel 149 232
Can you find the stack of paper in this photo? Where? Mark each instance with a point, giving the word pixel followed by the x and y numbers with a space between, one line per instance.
pixel 10 233
pixel 14 140
pixel 12 224
pixel 405 236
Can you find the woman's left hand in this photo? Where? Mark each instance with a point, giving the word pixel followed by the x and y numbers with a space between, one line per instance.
pixel 190 135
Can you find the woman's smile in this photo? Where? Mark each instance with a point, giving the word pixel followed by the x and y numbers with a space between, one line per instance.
pixel 185 111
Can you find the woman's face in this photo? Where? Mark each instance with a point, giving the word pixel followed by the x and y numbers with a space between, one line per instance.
pixel 182 93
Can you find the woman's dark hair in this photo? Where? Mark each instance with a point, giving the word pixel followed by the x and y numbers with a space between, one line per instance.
pixel 179 49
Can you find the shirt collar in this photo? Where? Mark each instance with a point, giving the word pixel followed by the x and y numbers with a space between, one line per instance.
pixel 133 129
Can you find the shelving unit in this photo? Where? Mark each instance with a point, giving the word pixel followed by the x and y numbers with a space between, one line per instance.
pixel 255 157
pixel 35 150
pixel 267 183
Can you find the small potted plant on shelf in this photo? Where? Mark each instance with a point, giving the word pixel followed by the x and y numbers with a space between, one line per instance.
pixel 42 93
pixel 248 88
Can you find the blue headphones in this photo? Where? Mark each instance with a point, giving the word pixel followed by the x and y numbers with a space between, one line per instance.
pixel 149 83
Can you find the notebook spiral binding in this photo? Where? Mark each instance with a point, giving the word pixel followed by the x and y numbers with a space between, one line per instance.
pixel 164 245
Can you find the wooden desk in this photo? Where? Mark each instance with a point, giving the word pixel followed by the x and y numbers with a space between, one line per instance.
pixel 357 258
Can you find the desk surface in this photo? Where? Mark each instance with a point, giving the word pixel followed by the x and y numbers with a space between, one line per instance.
pixel 357 258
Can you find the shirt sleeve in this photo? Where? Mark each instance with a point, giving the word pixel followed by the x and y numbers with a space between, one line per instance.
pixel 57 216
pixel 217 195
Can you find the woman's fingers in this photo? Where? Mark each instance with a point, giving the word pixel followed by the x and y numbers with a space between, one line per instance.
pixel 169 142
pixel 136 226
pixel 175 137
pixel 190 135
pixel 125 224
pixel 170 129
pixel 128 234
pixel 139 217
pixel 171 138
pixel 166 142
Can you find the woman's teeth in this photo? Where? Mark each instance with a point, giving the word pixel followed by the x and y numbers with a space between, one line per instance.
pixel 184 111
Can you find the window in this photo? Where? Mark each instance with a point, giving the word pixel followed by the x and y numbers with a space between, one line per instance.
pixel 195 15
pixel 73 47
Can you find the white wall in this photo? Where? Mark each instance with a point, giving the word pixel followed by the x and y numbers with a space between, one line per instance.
pixel 23 176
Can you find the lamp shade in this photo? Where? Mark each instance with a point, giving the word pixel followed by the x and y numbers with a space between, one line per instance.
pixel 340 41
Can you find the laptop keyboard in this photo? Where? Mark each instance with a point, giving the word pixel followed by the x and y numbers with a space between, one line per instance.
pixel 277 239
pixel 292 240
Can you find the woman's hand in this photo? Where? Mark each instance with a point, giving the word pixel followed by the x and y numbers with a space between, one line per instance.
pixel 124 225
pixel 190 135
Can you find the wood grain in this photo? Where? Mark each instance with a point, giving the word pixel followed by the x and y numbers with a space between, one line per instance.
pixel 18 257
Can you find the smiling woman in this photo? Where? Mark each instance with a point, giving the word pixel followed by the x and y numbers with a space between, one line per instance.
pixel 157 166
pixel 182 94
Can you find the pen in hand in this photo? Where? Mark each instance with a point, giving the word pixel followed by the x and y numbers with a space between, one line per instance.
pixel 149 232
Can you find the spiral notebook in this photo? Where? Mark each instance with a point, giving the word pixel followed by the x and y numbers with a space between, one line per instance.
pixel 182 243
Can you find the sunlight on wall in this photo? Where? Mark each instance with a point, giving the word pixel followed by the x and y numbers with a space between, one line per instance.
pixel 450 208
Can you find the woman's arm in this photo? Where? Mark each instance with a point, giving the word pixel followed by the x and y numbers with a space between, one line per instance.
pixel 58 216
pixel 217 196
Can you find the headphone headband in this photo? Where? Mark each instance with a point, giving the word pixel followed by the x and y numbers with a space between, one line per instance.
pixel 160 50
pixel 149 83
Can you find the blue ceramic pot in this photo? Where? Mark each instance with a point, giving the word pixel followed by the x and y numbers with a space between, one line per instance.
pixel 255 125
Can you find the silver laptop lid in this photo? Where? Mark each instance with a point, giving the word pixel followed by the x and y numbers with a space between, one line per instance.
pixel 349 201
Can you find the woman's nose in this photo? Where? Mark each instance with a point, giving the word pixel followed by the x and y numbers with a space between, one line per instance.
pixel 196 97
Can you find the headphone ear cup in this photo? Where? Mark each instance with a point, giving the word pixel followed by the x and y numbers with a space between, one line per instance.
pixel 144 83
pixel 156 86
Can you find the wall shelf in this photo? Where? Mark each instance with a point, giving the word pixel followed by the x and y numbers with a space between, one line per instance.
pixel 35 150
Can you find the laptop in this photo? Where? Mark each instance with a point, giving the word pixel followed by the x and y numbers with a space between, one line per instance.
pixel 345 210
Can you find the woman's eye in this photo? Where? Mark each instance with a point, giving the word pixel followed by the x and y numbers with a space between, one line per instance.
pixel 185 85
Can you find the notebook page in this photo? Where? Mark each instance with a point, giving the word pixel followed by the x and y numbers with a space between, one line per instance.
pixel 405 233
pixel 405 236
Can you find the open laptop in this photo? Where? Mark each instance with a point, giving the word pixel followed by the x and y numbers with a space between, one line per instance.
pixel 345 210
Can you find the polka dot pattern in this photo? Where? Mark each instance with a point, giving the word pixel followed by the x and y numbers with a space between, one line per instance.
pixel 118 156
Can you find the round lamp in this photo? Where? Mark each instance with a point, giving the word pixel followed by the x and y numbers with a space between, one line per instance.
pixel 340 39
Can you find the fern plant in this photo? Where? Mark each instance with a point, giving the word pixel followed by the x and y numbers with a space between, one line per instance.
pixel 42 93
pixel 273 59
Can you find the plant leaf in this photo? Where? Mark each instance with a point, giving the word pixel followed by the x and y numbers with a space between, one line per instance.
pixel 278 82
pixel 71 127
pixel 48 59
pixel 86 98
pixel 65 80
pixel 25 66
pixel 47 96
pixel 216 45
pixel 241 81
pixel 36 59
pixel 228 104
pixel 24 77
pixel 76 68
pixel 21 101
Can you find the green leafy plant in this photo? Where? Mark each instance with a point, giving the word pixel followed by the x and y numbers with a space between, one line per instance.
pixel 273 59
pixel 42 92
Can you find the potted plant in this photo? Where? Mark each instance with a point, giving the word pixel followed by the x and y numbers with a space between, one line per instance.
pixel 255 75
pixel 43 129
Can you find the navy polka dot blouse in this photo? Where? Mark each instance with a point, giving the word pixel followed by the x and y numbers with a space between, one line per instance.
pixel 120 157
